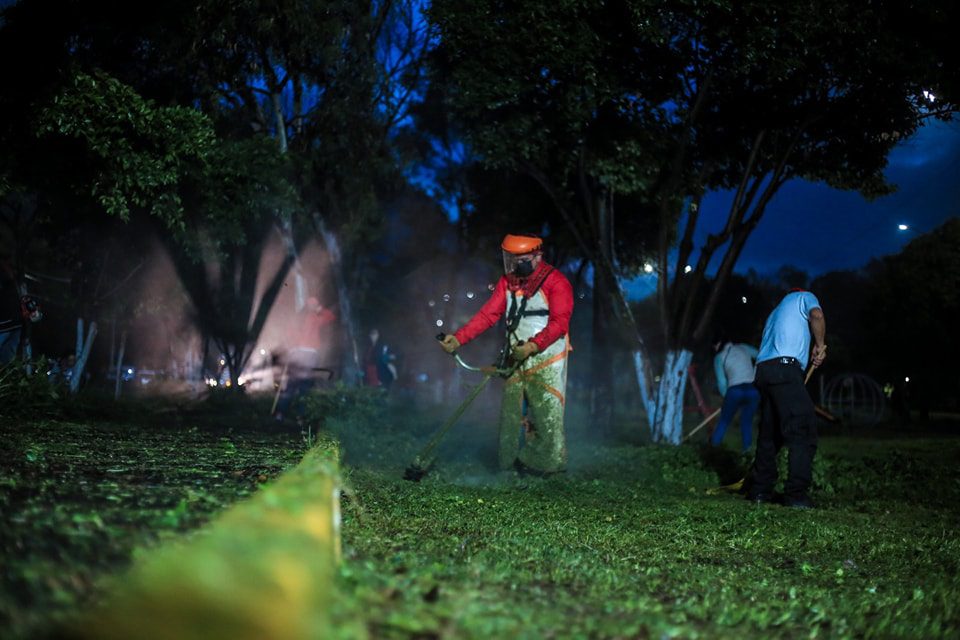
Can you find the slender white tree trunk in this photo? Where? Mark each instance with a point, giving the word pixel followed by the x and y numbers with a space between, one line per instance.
pixel 346 312
pixel 668 414
pixel 83 348
pixel 649 401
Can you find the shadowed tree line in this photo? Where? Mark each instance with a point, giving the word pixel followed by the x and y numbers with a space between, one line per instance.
pixel 601 125
pixel 212 126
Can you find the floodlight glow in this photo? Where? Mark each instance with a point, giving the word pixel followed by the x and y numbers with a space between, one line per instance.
pixel 903 227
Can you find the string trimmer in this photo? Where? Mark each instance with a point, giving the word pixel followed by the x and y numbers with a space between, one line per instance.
pixel 504 368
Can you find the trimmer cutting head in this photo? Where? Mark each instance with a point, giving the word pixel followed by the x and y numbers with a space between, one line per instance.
pixel 414 473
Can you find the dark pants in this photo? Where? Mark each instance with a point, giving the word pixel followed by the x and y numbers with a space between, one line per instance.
pixel 787 419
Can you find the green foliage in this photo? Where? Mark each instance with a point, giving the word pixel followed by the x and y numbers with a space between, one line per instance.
pixel 140 151
pixel 27 391
pixel 911 307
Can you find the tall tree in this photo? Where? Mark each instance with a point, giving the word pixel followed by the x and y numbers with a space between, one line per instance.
pixel 329 81
pixel 666 101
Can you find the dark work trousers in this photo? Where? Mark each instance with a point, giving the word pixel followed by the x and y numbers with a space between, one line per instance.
pixel 787 419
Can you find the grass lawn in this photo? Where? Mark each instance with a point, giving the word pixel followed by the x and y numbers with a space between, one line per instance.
pixel 80 497
pixel 631 542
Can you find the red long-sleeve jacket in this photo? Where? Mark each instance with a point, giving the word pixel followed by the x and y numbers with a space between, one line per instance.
pixel 559 296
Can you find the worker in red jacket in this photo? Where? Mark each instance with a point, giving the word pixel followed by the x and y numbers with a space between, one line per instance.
pixel 537 301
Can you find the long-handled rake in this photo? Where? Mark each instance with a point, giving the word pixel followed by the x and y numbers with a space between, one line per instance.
pixel 734 487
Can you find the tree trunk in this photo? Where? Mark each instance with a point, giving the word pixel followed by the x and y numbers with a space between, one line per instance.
pixel 119 383
pixel 353 370
pixel 601 369
pixel 83 354
pixel 641 367
pixel 667 424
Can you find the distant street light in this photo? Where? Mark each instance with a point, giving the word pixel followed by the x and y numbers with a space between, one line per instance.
pixel 903 227
pixel 687 269
pixel 648 268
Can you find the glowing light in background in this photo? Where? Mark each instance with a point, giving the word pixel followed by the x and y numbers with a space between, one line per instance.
pixel 470 295
pixel 446 297
pixel 906 379
pixel 743 299
pixel 648 268
pixel 432 303
pixel 439 323
pixel 903 227
pixel 687 269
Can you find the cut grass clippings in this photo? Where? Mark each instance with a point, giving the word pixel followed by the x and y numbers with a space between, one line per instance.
pixel 629 543
pixel 79 499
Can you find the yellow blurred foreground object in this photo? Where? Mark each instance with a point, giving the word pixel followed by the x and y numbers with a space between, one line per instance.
pixel 262 569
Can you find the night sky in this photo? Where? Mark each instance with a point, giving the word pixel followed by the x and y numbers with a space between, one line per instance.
pixel 821 229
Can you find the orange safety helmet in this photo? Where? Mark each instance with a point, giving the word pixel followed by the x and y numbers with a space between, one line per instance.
pixel 519 245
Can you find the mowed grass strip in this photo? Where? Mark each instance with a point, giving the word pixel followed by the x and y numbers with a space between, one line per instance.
pixel 263 569
pixel 630 543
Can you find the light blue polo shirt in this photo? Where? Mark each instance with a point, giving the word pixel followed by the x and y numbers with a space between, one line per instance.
pixel 787 332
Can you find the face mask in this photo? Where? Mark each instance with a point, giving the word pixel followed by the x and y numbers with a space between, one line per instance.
pixel 524 268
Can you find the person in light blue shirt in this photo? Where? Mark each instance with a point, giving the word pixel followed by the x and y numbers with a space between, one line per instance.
pixel 787 331
pixel 734 367
pixel 793 337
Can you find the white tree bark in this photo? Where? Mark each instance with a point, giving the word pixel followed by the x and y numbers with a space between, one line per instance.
pixel 649 401
pixel 346 312
pixel 84 353
pixel 667 421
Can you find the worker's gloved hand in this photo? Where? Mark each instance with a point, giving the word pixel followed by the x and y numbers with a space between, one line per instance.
pixel 450 343
pixel 523 351
pixel 819 354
